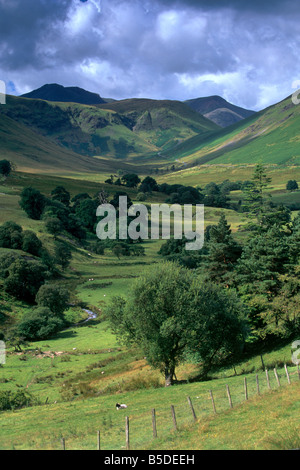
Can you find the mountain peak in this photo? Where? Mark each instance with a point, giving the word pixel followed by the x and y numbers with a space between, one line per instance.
pixel 56 92
pixel 218 110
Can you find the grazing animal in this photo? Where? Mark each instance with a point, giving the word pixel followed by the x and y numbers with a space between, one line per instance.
pixel 120 407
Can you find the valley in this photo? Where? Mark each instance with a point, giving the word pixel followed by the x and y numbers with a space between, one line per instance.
pixel 73 378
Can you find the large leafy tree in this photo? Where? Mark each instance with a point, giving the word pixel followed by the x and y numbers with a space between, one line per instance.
pixel 53 296
pixel 24 278
pixel 33 202
pixel 170 313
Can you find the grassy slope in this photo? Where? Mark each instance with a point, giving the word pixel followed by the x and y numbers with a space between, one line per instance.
pixel 270 136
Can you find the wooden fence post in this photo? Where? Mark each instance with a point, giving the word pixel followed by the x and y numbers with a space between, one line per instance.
pixel 98 441
pixel 154 424
pixel 63 444
pixel 246 388
pixel 229 396
pixel 287 374
pixel 127 433
pixel 174 417
pixel 257 385
pixel 277 378
pixel 213 401
pixel 268 380
pixel 192 408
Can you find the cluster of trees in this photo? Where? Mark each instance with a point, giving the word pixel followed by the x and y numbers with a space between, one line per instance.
pixel 213 195
pixel 262 271
pixel 211 305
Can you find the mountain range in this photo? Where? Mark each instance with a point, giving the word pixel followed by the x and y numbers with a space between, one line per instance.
pixel 46 135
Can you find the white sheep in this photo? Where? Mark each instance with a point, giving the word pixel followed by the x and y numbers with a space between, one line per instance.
pixel 120 407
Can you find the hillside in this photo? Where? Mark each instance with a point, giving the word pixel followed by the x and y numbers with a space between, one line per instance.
pixel 55 92
pixel 270 136
pixel 218 110
pixel 58 135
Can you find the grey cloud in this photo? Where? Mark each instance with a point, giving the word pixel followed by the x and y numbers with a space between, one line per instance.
pixel 245 51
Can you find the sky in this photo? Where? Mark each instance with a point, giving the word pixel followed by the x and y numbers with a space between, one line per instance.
pixel 245 51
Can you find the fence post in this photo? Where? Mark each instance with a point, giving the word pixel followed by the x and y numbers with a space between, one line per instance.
pixel 229 396
pixel 287 374
pixel 246 388
pixel 174 417
pixel 192 408
pixel 127 433
pixel 276 375
pixel 213 401
pixel 154 424
pixel 98 440
pixel 257 385
pixel 268 380
pixel 63 444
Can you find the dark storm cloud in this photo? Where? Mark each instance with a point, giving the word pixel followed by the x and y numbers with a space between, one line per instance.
pixel 240 5
pixel 175 49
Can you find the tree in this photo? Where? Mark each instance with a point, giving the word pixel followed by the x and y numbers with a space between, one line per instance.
pixel 223 252
pixel 85 211
pixel 265 257
pixel 24 279
pixel 130 180
pixel 31 243
pixel 5 168
pixel 255 202
pixel 63 255
pixel 62 195
pixel 53 226
pixel 292 185
pixel 33 203
pixel 170 313
pixel 11 236
pixel 39 324
pixel 148 185
pixel 55 297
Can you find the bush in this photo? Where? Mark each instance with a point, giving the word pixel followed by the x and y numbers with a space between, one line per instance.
pixel 10 400
pixel 40 324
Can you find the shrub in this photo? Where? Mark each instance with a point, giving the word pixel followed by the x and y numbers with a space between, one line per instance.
pixel 40 324
pixel 10 400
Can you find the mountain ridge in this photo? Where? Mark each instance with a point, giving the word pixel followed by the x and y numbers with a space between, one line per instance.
pixel 58 93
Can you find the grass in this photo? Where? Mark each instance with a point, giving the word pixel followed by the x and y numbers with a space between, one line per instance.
pixel 261 417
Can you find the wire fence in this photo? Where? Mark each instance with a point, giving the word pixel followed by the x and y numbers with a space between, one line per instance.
pixel 139 429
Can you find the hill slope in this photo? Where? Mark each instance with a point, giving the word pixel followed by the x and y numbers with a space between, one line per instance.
pixel 130 131
pixel 218 110
pixel 270 136
pixel 55 92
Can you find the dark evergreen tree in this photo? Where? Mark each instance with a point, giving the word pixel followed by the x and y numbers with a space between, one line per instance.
pixel 223 252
